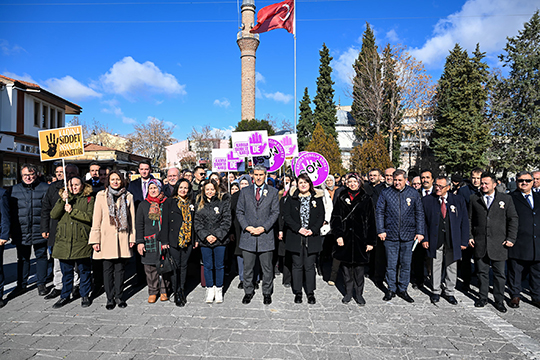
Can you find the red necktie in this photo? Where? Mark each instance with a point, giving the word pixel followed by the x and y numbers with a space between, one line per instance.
pixel 258 195
pixel 443 208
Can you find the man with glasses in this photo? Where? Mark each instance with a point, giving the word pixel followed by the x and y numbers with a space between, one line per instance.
pixel 416 183
pixel 525 254
pixel 26 203
pixel 173 175
pixel 447 233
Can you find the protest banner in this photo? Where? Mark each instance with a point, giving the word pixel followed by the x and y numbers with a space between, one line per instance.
pixel 250 143
pixel 315 165
pixel 60 143
pixel 290 144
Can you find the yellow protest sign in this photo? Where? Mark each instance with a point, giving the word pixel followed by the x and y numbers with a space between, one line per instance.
pixel 61 143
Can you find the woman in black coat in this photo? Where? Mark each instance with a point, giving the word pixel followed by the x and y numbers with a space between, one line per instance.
pixel 353 225
pixel 303 213
pixel 178 233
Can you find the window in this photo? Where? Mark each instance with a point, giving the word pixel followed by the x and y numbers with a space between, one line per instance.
pixel 59 118
pixel 53 123
pixel 45 115
pixel 37 106
pixel 10 173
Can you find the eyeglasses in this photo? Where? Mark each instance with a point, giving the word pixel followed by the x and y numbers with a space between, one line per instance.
pixel 28 175
pixel 524 180
pixel 440 186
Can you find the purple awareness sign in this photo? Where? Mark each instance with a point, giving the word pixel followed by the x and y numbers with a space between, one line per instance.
pixel 315 165
pixel 277 155
pixel 294 160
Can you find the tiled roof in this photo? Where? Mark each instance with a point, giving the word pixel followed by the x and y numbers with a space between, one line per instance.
pixel 96 147
pixel 25 83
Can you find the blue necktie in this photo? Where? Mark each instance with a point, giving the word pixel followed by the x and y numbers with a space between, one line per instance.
pixel 528 197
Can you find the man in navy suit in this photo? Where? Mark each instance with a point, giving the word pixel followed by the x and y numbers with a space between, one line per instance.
pixel 446 234
pixel 139 188
pixel 257 211
pixel 525 254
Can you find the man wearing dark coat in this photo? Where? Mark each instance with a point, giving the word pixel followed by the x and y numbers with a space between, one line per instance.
pixel 4 237
pixel 257 211
pixel 493 223
pixel 446 234
pixel 525 254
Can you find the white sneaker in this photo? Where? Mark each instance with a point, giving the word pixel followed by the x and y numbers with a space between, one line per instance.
pixel 210 293
pixel 219 295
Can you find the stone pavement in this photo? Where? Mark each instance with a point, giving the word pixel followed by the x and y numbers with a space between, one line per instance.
pixel 31 329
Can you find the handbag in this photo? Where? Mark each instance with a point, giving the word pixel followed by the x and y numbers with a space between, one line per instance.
pixel 166 263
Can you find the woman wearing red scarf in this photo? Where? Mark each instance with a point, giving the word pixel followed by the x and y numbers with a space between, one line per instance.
pixel 148 225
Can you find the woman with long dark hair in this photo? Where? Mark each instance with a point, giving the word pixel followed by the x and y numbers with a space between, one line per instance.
pixel 113 235
pixel 303 213
pixel 178 233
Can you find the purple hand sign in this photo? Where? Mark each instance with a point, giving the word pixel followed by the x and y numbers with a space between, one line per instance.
pixel 289 146
pixel 315 165
pixel 277 155
pixel 232 161
pixel 256 144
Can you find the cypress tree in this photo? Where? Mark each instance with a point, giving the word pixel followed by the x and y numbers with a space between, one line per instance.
pixel 392 109
pixel 325 108
pixel 305 126
pixel 461 133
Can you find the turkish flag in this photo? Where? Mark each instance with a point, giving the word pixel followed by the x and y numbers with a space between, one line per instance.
pixel 275 16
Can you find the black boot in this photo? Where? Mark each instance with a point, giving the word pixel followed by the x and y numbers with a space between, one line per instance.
pixel 179 299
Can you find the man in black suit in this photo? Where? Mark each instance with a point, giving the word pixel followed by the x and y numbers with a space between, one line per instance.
pixel 139 187
pixel 94 180
pixel 494 224
pixel 525 254
pixel 173 175
pixel 447 233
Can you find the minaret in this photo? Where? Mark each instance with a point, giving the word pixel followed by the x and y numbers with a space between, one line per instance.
pixel 248 44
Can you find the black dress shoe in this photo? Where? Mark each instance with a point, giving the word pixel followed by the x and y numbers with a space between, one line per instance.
pixel 435 298
pixel 480 303
pixel 267 299
pixel 2 303
pixel 405 296
pixel 514 303
pixel 451 299
pixel 346 299
pixel 256 286
pixel 122 304
pixel 311 299
pixel 389 295
pixel 76 292
pixel 110 305
pixel 42 290
pixel 287 285
pixel 360 300
pixel 179 299
pixel 60 303
pixel 247 298
pixel 241 285
pixel 298 298
pixel 500 306
pixel 53 294
pixel 18 290
pixel 85 302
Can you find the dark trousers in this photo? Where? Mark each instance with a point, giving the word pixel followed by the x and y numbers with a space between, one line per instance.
pixel 181 256
pixel 335 270
pixel 97 273
pixel 155 287
pixel 465 265
pixel 515 276
pixel 377 262
pixel 303 263
pixel 23 263
pixel 417 265
pixel 113 278
pixel 265 260
pixel 499 278
pixel 353 276
pixel 398 253
pixel 85 274
pixel 286 268
pixel 2 279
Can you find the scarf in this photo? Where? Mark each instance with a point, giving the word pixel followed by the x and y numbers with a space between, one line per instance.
pixel 184 236
pixel 155 206
pixel 352 194
pixel 117 215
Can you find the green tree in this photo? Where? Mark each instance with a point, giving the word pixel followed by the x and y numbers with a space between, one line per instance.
pixel 392 111
pixel 325 108
pixel 367 93
pixel 515 110
pixel 372 154
pixel 305 127
pixel 328 147
pixel 254 124
pixel 461 133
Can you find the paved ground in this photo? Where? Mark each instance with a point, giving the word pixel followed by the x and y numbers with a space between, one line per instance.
pixel 30 328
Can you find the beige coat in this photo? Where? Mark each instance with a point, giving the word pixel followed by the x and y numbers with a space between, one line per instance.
pixel 113 244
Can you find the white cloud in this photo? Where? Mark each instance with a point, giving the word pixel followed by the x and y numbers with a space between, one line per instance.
pixel 279 96
pixel 226 132
pixel 70 88
pixel 343 66
pixel 224 103
pixel 128 77
pixel 23 77
pixel 259 77
pixel 8 49
pixel 487 22
pixel 115 109
pixel 258 93
pixel 149 118
pixel 392 36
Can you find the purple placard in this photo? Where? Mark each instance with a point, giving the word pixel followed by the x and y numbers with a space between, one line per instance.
pixel 219 164
pixel 277 155
pixel 257 145
pixel 242 148
pixel 232 161
pixel 315 165
pixel 294 160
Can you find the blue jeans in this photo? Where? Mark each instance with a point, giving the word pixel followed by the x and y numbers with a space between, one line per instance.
pixel 398 253
pixel 213 258
pixel 68 268
pixel 23 263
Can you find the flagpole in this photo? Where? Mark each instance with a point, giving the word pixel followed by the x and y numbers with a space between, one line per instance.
pixel 294 36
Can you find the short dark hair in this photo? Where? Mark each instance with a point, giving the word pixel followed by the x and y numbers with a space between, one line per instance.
pixel 306 178
pixel 426 171
pixel 522 173
pixel 122 178
pixel 477 170
pixel 30 167
pixel 94 163
pixel 197 168
pixel 399 172
pixel 378 170
pixel 487 174
pixel 146 162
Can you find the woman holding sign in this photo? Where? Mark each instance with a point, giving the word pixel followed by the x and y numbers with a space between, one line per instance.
pixel 303 213
pixel 353 225
pixel 113 235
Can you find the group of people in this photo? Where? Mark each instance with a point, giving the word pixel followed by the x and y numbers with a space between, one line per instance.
pixel 375 226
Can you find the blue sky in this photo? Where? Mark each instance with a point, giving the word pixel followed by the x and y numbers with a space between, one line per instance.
pixel 127 61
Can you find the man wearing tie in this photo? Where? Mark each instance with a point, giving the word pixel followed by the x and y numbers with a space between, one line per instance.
pixel 139 187
pixel 257 211
pixel 536 184
pixel 447 233
pixel 94 180
pixel 525 254
pixel 494 224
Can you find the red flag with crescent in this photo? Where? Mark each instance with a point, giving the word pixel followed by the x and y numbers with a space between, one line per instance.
pixel 275 16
